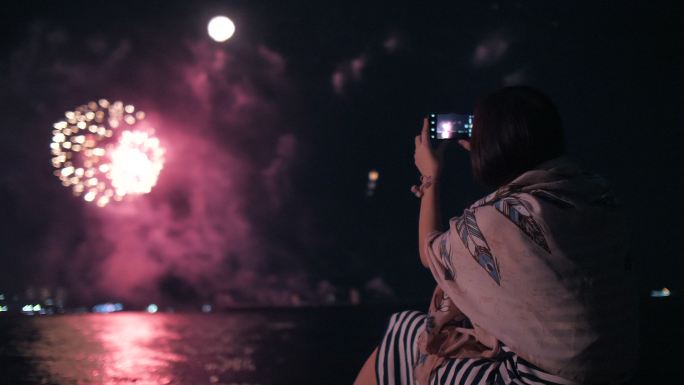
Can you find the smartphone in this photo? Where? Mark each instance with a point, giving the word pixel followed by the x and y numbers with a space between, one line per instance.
pixel 450 125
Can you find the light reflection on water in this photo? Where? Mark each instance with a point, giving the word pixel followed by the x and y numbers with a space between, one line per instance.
pixel 132 344
pixel 140 348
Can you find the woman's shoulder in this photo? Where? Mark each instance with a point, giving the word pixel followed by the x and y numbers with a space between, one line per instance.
pixel 559 182
pixel 548 205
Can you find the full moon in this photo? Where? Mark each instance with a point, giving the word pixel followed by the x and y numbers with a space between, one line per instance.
pixel 221 28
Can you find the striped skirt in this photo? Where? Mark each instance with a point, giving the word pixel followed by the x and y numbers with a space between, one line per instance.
pixel 398 353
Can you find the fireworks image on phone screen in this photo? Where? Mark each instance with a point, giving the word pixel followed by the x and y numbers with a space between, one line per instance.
pixel 450 125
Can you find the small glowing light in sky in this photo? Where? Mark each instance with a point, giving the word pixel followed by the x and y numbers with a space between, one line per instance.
pixel 373 175
pixel 152 308
pixel 3 308
pixel 206 308
pixel 221 28
pixel 90 196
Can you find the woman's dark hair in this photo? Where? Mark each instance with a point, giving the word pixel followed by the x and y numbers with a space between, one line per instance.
pixel 515 129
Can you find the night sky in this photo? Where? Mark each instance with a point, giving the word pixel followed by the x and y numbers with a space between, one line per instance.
pixel 271 135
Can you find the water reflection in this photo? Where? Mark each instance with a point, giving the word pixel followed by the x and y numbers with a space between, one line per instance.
pixel 136 345
pixel 141 348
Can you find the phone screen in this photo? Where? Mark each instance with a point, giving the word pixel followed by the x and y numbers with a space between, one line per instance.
pixel 450 126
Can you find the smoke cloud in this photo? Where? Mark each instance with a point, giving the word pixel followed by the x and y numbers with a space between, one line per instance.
pixel 207 231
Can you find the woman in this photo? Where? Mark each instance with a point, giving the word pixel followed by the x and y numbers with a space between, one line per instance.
pixel 534 282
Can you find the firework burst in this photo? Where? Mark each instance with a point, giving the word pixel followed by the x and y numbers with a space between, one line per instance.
pixel 102 153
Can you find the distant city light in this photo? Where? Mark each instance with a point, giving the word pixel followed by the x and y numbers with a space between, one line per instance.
pixel 221 28
pixel 107 307
pixel 3 308
pixel 30 309
pixel 152 308
pixel 665 292
pixel 206 308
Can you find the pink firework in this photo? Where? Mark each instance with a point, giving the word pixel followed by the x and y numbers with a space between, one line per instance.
pixel 103 153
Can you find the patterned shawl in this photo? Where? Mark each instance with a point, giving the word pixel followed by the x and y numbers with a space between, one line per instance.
pixel 540 265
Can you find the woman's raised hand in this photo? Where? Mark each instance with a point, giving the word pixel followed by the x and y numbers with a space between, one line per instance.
pixel 427 160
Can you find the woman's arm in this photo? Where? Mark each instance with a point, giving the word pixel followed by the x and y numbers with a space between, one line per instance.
pixel 429 218
pixel 428 163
